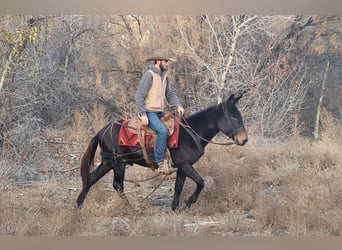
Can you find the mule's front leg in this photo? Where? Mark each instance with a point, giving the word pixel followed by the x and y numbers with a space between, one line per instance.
pixel 190 172
pixel 194 196
pixel 179 184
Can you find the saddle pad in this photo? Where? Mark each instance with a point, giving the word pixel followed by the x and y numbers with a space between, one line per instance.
pixel 127 138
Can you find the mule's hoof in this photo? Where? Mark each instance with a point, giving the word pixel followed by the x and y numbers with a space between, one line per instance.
pixel 188 203
pixel 79 204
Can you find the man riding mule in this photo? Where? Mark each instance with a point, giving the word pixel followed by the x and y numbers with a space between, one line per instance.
pixel 195 133
pixel 153 90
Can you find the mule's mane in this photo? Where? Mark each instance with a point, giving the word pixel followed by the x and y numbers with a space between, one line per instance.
pixel 199 117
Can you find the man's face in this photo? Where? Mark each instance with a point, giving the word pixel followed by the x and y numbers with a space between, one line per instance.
pixel 164 65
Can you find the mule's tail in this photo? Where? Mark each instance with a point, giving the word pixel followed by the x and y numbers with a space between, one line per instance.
pixel 88 159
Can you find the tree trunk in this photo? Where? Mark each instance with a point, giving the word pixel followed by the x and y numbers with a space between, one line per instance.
pixel 319 107
pixel 7 69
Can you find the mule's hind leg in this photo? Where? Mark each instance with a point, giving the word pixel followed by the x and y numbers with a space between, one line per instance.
pixel 119 176
pixel 93 177
pixel 118 182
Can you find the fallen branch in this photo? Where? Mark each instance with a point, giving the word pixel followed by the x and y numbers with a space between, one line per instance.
pixel 68 170
pixel 65 143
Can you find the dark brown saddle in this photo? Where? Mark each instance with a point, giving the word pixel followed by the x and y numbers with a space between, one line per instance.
pixel 136 127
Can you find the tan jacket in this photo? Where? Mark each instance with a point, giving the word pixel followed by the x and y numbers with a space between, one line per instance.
pixel 155 99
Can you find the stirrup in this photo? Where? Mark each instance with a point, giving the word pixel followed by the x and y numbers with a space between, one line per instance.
pixel 165 168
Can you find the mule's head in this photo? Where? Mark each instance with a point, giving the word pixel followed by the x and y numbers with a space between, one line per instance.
pixel 231 123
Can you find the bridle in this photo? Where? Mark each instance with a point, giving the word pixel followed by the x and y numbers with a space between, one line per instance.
pixel 228 117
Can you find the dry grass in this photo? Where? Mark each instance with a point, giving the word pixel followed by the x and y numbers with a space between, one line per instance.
pixel 263 188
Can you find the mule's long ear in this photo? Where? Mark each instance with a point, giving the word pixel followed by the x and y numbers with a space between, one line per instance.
pixel 231 99
pixel 237 98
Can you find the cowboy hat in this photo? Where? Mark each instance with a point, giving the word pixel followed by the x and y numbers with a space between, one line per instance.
pixel 161 54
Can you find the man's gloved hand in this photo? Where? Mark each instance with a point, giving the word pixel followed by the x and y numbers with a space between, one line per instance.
pixel 144 120
pixel 180 110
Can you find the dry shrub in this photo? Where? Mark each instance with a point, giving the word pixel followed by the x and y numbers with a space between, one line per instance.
pixel 104 202
pixel 227 176
pixel 26 155
pixel 85 126
pixel 331 131
pixel 301 181
pixel 7 169
pixel 33 211
pixel 79 132
pixel 97 118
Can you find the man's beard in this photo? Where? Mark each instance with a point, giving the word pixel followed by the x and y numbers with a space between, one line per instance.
pixel 162 68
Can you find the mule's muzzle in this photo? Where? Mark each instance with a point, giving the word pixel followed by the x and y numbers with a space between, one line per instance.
pixel 241 138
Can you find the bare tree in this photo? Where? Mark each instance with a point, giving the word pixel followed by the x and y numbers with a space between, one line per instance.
pixel 16 39
pixel 221 50
pixel 40 94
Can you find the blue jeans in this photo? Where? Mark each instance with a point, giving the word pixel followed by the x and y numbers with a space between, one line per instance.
pixel 156 125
